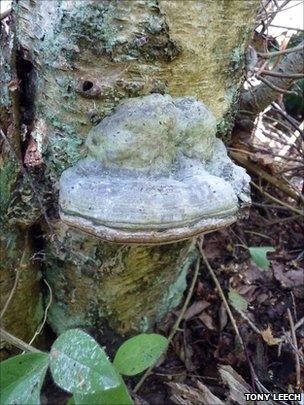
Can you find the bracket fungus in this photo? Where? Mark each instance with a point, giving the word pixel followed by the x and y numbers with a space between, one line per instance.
pixel 156 174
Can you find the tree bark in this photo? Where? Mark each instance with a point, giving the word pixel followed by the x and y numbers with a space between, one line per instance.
pixel 76 62
pixel 21 309
pixel 256 99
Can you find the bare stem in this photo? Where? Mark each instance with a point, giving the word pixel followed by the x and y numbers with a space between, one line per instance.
pixel 279 74
pixel 13 340
pixel 290 207
pixel 294 341
pixel 222 295
pixel 277 53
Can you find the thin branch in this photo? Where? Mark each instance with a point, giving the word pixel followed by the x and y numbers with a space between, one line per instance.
pixel 13 340
pixel 275 88
pixel 222 295
pixel 265 55
pixel 257 98
pixel 176 325
pixel 288 28
pixel 251 324
pixel 38 331
pixel 11 294
pixel 288 118
pixel 279 74
pixel 14 286
pixel 294 341
pixel 279 183
pixel 290 207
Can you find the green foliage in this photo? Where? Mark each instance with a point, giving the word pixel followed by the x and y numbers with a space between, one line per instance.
pixel 138 353
pixel 259 255
pixel 114 396
pixel 80 366
pixel 237 301
pixel 21 378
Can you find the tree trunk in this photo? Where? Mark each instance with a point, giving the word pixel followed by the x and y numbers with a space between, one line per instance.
pixel 21 307
pixel 76 62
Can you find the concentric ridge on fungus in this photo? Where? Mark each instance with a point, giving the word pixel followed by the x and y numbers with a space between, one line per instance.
pixel 157 174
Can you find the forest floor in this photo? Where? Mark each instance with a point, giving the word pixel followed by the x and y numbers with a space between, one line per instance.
pixel 206 340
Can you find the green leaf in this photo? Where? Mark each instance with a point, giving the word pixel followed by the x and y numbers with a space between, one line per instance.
pixel 21 378
pixel 236 300
pixel 79 365
pixel 139 353
pixel 114 396
pixel 258 255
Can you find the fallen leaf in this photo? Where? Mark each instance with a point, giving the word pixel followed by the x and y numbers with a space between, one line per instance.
pixel 290 278
pixel 223 316
pixel 207 320
pixel 237 301
pixel 196 308
pixel 269 338
pixel 259 255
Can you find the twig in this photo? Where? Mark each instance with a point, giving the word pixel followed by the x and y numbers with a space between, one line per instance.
pixel 11 294
pixel 275 88
pixel 299 323
pixel 277 53
pixel 282 220
pixel 13 340
pixel 288 28
pixel 263 151
pixel 279 183
pixel 244 316
pixel 259 234
pixel 38 331
pixel 279 74
pixel 222 295
pixel 273 206
pixel 176 325
pixel 273 14
pixel 14 286
pixel 288 118
pixel 294 340
pixel 290 207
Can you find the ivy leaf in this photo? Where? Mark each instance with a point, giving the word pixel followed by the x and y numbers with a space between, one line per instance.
pixel 21 378
pixel 114 396
pixel 259 255
pixel 138 353
pixel 79 365
pixel 236 300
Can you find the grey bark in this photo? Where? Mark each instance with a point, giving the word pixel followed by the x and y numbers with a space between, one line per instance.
pixel 256 99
